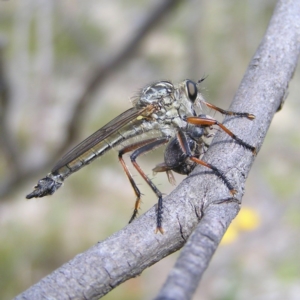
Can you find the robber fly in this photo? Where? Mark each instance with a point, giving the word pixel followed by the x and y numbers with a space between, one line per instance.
pixel 172 114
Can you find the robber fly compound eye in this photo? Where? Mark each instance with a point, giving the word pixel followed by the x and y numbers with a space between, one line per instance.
pixel 191 90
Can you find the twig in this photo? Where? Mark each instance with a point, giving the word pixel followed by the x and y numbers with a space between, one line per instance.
pixel 7 143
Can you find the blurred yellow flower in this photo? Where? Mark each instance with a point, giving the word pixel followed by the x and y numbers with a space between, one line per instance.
pixel 247 219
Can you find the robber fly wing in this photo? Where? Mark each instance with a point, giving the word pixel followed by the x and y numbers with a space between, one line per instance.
pixel 101 134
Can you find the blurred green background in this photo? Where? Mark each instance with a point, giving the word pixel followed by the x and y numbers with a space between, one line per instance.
pixel 49 52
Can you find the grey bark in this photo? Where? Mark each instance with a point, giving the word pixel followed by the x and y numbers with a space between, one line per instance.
pixel 201 205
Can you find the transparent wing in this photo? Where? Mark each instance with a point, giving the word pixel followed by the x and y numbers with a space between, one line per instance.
pixel 101 134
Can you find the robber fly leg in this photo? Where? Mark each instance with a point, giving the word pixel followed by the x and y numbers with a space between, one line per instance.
pixel 136 190
pixel 182 139
pixel 228 112
pixel 141 148
pixel 205 121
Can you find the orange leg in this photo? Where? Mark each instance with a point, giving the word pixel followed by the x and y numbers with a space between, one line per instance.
pixel 203 121
pixel 228 112
pixel 141 148
pixel 144 149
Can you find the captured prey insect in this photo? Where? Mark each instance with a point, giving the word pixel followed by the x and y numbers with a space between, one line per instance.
pixel 172 114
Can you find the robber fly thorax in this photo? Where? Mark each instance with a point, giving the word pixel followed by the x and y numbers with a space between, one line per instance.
pixel 171 105
pixel 172 114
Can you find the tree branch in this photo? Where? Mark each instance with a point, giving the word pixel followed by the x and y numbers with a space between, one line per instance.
pixel 7 144
pixel 262 91
pixel 201 196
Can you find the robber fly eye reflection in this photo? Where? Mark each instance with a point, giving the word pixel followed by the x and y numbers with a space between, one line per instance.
pixel 172 114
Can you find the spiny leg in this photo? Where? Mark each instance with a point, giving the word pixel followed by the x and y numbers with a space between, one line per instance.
pixel 136 190
pixel 204 121
pixel 187 151
pixel 138 147
pixel 133 157
pixel 228 112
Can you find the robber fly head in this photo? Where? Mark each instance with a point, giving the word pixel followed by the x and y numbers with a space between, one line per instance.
pixel 190 97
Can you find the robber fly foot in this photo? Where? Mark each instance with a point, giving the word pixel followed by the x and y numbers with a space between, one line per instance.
pixel 159 216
